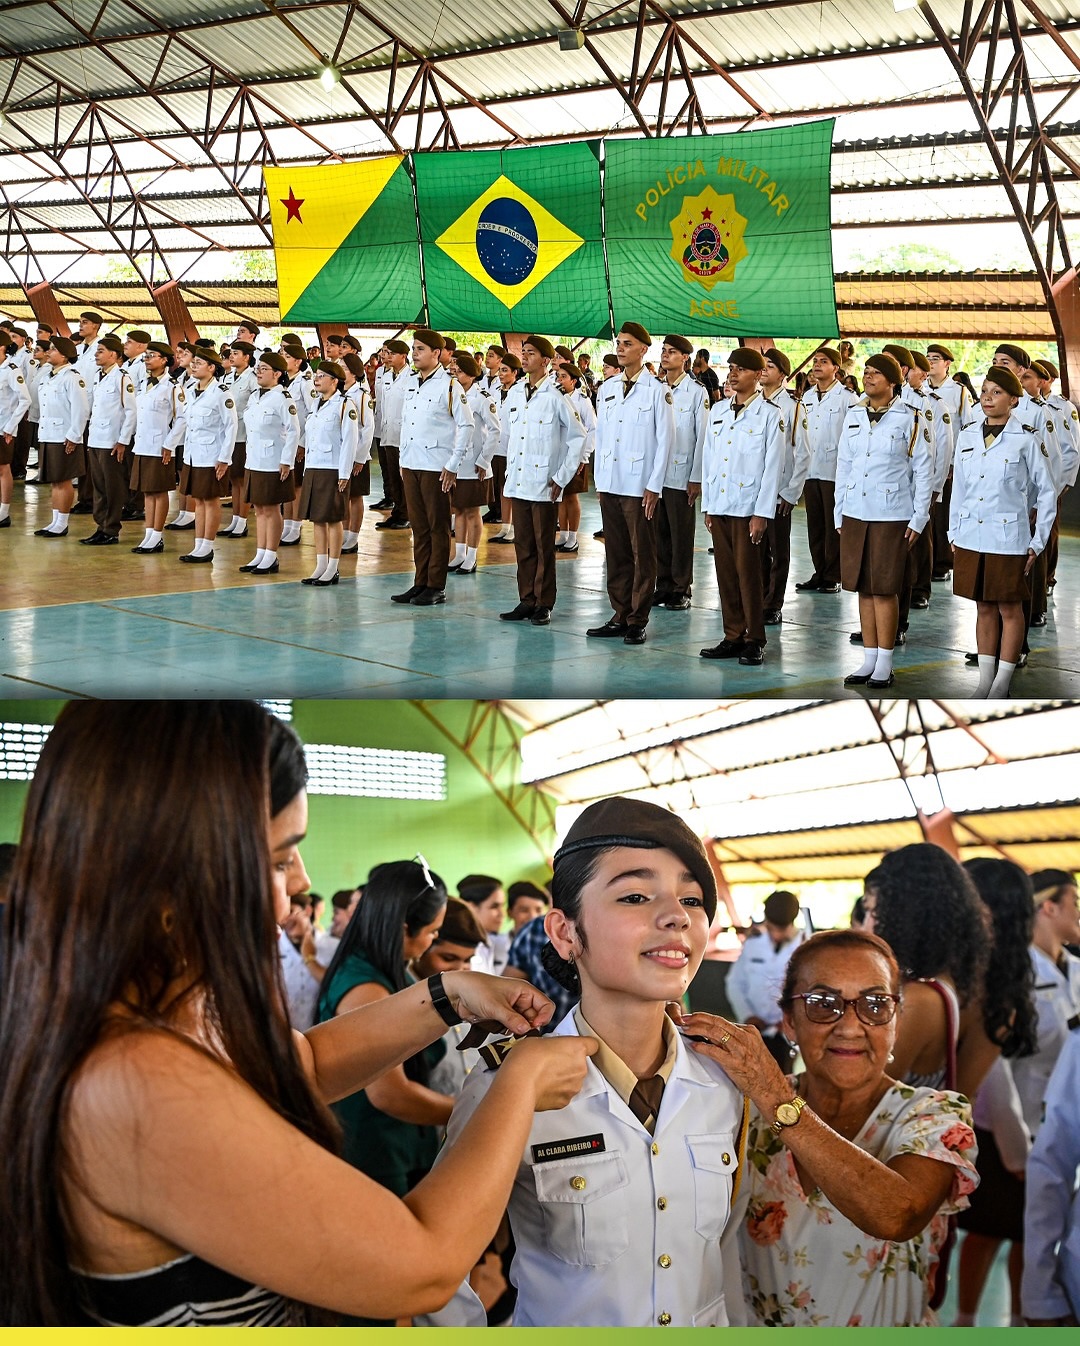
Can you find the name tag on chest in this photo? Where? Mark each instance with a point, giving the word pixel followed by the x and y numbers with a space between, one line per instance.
pixel 568 1149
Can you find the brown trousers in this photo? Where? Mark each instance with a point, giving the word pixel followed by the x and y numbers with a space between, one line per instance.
pixel 429 512
pixel 1053 545
pixel 775 550
pixel 922 559
pixel 110 483
pixel 498 478
pixel 675 521
pixel 25 438
pixel 534 546
pixel 393 483
pixel 824 541
pixel 630 547
pixel 738 574
pixel 939 522
pixel 1040 573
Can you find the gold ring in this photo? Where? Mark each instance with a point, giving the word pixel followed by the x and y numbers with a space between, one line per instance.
pixel 724 1039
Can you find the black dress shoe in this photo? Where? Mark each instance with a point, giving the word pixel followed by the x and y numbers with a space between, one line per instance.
pixel 324 584
pixel 773 617
pixel 227 532
pixel 501 541
pixel 286 542
pixel 677 604
pixel 727 649
pixel 972 658
pixel 881 682
pixel 271 569
pixel 350 551
pixel 248 568
pixel 179 527
pixel 599 536
pixel 92 537
pixel 492 516
pixel 408 595
pixel 130 513
pixel 752 654
pixel 100 540
pixel 44 532
pixel 140 550
pixel 807 585
pixel 453 569
pixel 522 613
pixel 428 598
pixel 662 597
pixel 1040 620
pixel 460 570
pixel 82 507
pixel 384 503
pixel 1022 661
pixel 940 579
pixel 920 602
pixel 394 525
pixel 635 635
pixel 901 637
pixel 856 679
pixel 189 559
pixel 541 617
pixel 6 522
pixel 856 638
pixel 567 548
pixel 827 588
pixel 609 630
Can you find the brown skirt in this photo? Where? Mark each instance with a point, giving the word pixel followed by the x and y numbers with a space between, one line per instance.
pixel 199 482
pixel 267 488
pixel 873 556
pixel 360 483
pixel 298 474
pixel 320 500
pixel 151 475
pixel 986 577
pixel 238 466
pixel 56 465
pixel 470 493
pixel 579 482
pixel 7 451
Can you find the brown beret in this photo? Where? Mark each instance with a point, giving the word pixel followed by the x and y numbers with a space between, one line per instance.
pixel 680 344
pixel 611 361
pixel 66 347
pixel 291 336
pixel 638 332
pixel 449 344
pixel 1005 378
pixel 779 359
pixel 511 361
pixel 93 317
pixel 1039 366
pixel 921 362
pixel 427 337
pixel 781 907
pixel 354 364
pixel 335 371
pixel 161 348
pixel 334 337
pixel 1051 369
pixel 571 370
pixel 830 353
pixel 746 357
pixel 112 343
pixel 635 822
pixel 467 364
pixel 938 349
pixel 885 364
pixel 397 347
pixel 900 354
pixel 246 325
pixel 499 351
pixel 206 341
pixel 564 352
pixel 139 335
pixel 1015 353
pixel 541 345
pixel 245 348
pixel 275 361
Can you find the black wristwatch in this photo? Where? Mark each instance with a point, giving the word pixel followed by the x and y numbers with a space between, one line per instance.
pixel 441 1001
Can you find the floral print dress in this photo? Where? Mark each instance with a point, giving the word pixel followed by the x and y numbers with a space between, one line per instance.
pixel 806 1265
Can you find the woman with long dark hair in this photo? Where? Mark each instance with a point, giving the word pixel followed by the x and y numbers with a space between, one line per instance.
pixel 167 1140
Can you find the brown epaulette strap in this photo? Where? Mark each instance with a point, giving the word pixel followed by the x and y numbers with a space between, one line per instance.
pixel 744 1132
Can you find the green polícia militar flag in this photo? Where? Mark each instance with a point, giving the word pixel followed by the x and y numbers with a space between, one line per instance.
pixel 511 240
pixel 345 242
pixel 725 234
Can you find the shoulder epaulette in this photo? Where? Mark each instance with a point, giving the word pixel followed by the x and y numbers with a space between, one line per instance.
pixel 493 1054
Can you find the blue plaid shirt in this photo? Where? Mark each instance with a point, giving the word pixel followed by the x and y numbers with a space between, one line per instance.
pixel 525 956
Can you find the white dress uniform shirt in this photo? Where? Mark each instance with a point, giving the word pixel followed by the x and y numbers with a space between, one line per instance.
pixel 136 368
pixel 615 1227
pixel 1057 1000
pixel 436 421
pixel 112 409
pixel 690 406
pixel 1064 412
pixel 390 389
pixel 938 419
pixel 742 458
pixel 542 438
pixel 86 362
pixel 993 490
pixel 331 435
pixel 63 406
pixel 635 436
pixel 1051 1283
pixel 955 396
pixel 361 399
pixel 272 424
pixel 885 472
pixel 753 985
pixel 34 371
pixel 157 408
pixel 818 433
pixel 791 412
pixel 23 356
pixel 582 404
pixel 205 424
pixel 301 388
pixel 240 388
pixel 1053 433
pixel 14 397
pixel 487 431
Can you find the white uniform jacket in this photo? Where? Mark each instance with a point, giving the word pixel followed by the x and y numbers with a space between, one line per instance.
pixel 753 985
pixel 240 388
pixel 742 457
pixel 938 419
pixel 485 436
pixel 635 436
pixel 136 368
pixel 112 409
pixel 301 388
pixel 582 404
pixel 273 430
pixel 157 408
pixel 331 435
pixel 1053 434
pixel 818 433
pixel 87 365
pixel 1057 1000
pixel 360 396
pixel 436 422
pixel 791 410
pixel 390 389
pixel 885 472
pixel 957 400
pixel 993 489
pixel 543 440
pixel 690 405
pixel 63 405
pixel 35 370
pixel 14 397
pixel 205 425
pixel 1063 410
pixel 625 1231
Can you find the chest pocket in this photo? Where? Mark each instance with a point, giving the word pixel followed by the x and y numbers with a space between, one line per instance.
pixel 714 1158
pixel 585 1203
pixel 749 454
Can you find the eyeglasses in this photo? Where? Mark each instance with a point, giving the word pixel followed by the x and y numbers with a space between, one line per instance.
pixel 825 1007
pixel 418 859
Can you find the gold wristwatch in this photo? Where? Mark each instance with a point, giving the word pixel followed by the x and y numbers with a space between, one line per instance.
pixel 787 1114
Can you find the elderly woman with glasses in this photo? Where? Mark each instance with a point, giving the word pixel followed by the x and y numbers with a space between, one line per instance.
pixel 848 1175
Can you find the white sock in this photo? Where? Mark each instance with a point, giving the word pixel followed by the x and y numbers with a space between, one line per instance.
pixel 999 689
pixel 257 559
pixel 987 669
pixel 868 664
pixel 146 537
pixel 350 538
pixel 5 510
pixel 202 547
pixel 269 558
pixel 331 568
pixel 503 530
pixel 509 533
pixel 560 538
pixel 883 666
pixel 469 559
pixel 321 560
pixel 185 516
pixel 152 538
pixel 459 553
pixel 61 522
pixel 239 525
pixel 964 1320
pixel 293 525
pixel 571 539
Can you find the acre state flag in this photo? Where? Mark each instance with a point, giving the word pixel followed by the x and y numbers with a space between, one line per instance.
pixel 512 240
pixel 345 242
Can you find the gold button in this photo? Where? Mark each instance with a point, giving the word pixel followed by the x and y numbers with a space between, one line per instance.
pixel 661 1203
pixel 664 1260
pixel 578 1184
pixel 655 1148
pixel 664 1320
pixel 725 1158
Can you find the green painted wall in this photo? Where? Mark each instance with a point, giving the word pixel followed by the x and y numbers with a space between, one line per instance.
pixel 470 831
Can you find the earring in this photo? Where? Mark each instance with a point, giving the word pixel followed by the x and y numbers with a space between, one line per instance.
pixel 890 1059
pixel 793 1051
pixel 570 959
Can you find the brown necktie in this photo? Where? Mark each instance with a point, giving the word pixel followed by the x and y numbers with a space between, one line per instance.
pixel 644 1102
pixel 628 388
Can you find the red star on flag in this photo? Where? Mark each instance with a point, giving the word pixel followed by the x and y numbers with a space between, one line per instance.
pixel 292 206
pixel 706 214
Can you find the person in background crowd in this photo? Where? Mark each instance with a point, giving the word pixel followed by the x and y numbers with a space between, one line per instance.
pixel 452 950
pixel 525 901
pixel 486 897
pixel 706 376
pixel 754 982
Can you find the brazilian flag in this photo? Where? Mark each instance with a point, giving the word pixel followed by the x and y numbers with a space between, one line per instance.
pixel 345 242
pixel 512 240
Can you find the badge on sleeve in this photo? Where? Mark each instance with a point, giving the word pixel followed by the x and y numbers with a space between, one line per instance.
pixel 179 395
pixel 669 398
pixel 1044 453
pixel 1050 426
pixel 352 413
pixel 19 379
pixel 230 403
pixel 926 436
pixel 781 425
pixel 945 417
pixel 82 384
pixel 292 408
pixel 928 414
pixel 492 406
